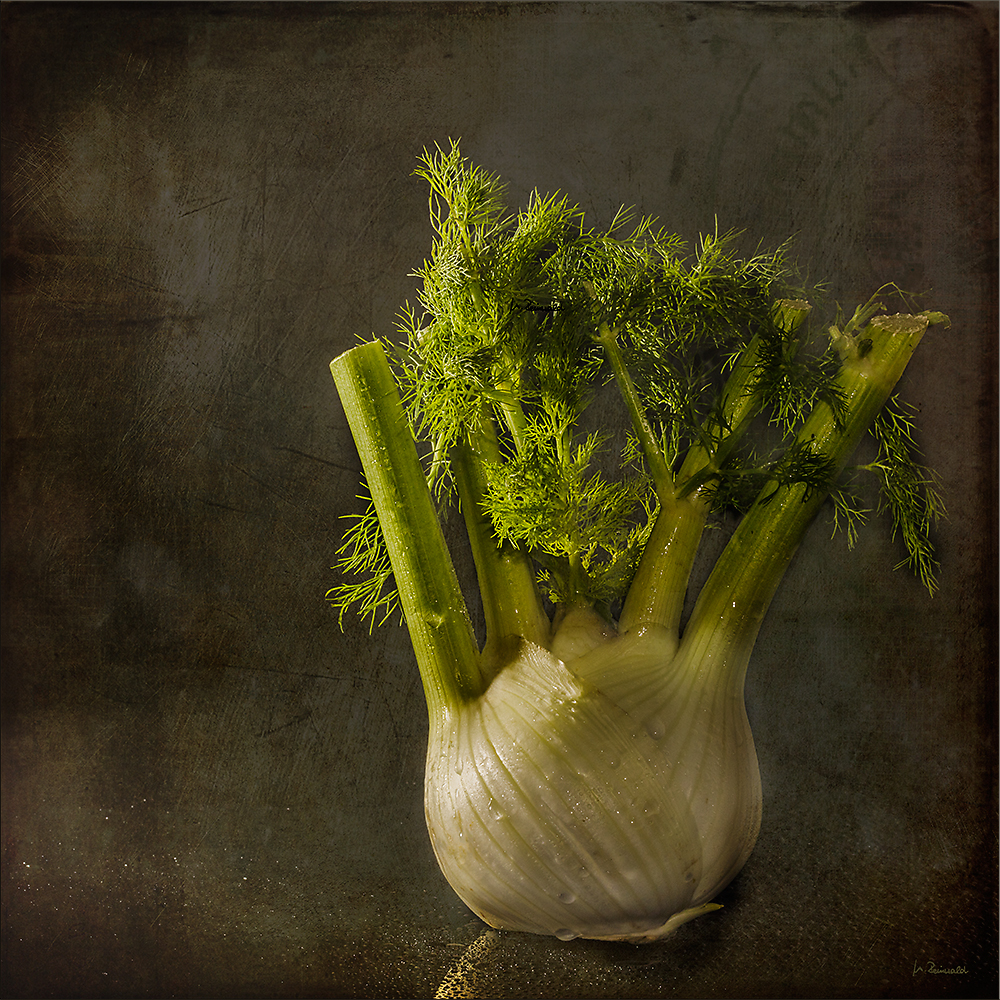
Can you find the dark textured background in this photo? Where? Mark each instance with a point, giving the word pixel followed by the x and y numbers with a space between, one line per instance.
pixel 209 790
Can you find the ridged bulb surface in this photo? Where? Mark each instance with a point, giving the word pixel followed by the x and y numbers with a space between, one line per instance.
pixel 554 810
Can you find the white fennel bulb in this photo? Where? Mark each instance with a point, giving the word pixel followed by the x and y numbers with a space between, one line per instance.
pixel 557 809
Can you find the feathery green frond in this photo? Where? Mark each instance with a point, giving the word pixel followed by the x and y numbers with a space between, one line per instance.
pixel 522 316
pixel 910 491
pixel 363 554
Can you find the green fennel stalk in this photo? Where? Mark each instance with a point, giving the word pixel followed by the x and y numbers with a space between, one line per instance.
pixel 590 770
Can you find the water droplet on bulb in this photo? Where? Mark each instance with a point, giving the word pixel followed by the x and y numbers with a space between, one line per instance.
pixel 655 728
pixel 564 934
pixel 567 897
pixel 459 764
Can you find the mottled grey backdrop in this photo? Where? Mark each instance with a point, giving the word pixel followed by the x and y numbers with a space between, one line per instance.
pixel 209 790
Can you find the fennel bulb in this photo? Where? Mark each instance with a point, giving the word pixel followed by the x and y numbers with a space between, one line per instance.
pixel 553 810
pixel 590 770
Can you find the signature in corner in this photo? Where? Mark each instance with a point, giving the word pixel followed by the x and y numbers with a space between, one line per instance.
pixel 932 968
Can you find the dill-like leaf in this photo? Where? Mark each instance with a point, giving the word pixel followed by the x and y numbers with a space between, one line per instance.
pixel 363 554
pixel 848 513
pixel 577 525
pixel 910 491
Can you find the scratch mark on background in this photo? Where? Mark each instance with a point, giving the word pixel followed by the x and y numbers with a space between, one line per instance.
pixel 316 458
pixel 40 174
pixel 223 506
pixel 202 208
pixel 285 725
pixel 291 673
pixel 330 178
pixel 879 931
